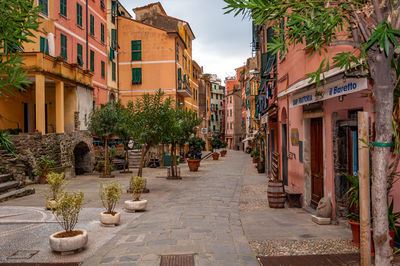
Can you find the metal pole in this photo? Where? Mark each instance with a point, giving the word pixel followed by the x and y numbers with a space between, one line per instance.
pixel 364 183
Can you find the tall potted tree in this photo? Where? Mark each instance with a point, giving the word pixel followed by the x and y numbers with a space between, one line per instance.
pixel 196 145
pixel 215 143
pixel 224 144
pixel 103 123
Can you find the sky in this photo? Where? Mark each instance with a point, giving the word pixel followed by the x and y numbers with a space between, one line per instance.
pixel 222 42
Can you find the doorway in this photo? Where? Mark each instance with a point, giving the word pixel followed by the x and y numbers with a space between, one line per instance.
pixel 284 155
pixel 317 163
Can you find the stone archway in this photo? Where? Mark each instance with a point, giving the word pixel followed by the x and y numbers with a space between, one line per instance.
pixel 82 159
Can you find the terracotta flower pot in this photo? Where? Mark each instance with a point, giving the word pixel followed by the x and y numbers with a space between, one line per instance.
pixel 133 206
pixel 215 156
pixel 110 219
pixel 256 160
pixel 355 230
pixel 63 244
pixel 193 164
pixel 223 153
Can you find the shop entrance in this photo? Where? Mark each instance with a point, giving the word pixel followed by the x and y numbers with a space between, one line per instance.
pixel 317 163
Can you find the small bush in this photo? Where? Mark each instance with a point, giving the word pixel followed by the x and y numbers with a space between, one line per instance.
pixel 110 193
pixel 137 185
pixel 57 184
pixel 67 209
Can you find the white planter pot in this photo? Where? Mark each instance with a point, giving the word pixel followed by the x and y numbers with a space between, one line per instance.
pixel 68 243
pixel 51 204
pixel 108 219
pixel 132 206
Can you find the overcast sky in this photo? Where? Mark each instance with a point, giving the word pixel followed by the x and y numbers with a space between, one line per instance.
pixel 222 41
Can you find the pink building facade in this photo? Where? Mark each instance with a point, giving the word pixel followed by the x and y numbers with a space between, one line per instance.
pixel 81 38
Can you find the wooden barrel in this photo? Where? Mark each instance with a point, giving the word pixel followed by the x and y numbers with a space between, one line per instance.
pixel 276 194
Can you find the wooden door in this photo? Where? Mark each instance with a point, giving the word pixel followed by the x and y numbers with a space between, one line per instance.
pixel 284 155
pixel 317 163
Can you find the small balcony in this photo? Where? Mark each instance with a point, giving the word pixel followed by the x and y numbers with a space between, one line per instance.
pixel 184 89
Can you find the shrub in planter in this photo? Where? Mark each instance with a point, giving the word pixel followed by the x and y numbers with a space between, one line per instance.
pixel 223 146
pixel 57 183
pixel 196 145
pixel 216 143
pixel 67 212
pixel 256 155
pixel 137 186
pixel 110 193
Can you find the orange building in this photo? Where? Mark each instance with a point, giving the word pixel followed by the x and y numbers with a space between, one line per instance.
pixel 155 53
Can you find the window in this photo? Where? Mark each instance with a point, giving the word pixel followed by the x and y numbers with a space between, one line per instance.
pixel 231 99
pixel 114 42
pixel 91 25
pixel 45 5
pixel 114 11
pixel 44 45
pixel 63 51
pixel 212 117
pixel 177 52
pixel 102 5
pixel 136 76
pixel 113 71
pixel 91 61
pixel 213 127
pixel 102 32
pixel 212 95
pixel 78 14
pixel 179 78
pixel 63 7
pixel 79 53
pixel 231 112
pixel 103 69
pixel 136 50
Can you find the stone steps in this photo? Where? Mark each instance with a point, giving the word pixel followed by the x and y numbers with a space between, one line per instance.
pixel 134 158
pixel 17 193
pixel 5 178
pixel 6 186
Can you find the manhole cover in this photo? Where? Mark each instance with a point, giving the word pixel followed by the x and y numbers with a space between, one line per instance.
pixel 23 254
pixel 177 260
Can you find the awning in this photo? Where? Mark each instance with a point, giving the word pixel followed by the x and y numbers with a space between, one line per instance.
pixel 248 139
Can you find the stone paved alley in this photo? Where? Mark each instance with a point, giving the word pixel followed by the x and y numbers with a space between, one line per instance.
pixel 213 214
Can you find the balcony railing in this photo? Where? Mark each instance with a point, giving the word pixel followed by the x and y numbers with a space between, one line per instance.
pixel 184 89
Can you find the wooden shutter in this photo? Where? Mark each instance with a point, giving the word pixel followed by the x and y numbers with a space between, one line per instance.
pixel 92 61
pixel 91 25
pixel 136 50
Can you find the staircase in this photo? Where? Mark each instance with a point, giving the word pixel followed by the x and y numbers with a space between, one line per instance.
pixel 9 188
pixel 134 158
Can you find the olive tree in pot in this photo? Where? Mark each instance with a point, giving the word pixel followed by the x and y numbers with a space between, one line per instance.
pixel 57 184
pixel 216 143
pixel 224 144
pixel 110 193
pixel 67 214
pixel 196 145
pixel 137 185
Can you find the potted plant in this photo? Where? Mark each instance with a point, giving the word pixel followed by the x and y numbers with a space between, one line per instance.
pixel 56 183
pixel 196 145
pixel 224 144
pixel 215 144
pixel 354 218
pixel 67 214
pixel 137 186
pixel 256 155
pixel 45 165
pixel 110 193
pixel 261 167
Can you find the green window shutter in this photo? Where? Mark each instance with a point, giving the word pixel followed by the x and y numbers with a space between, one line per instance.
pixel 92 61
pixel 103 69
pixel 114 72
pixel 177 51
pixel 78 14
pixel 136 50
pixel 63 50
pixel 102 32
pixel 179 74
pixel 45 5
pixel 114 42
pixel 111 54
pixel 136 76
pixel 79 57
pixel 43 45
pixel 91 25
pixel 63 7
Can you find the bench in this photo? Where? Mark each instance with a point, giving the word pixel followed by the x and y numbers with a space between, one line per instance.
pixel 293 196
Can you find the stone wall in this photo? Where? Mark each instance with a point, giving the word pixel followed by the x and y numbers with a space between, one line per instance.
pixel 58 147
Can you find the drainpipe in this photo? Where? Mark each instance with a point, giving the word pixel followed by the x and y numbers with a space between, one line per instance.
pixel 289 153
pixel 117 67
pixel 87 35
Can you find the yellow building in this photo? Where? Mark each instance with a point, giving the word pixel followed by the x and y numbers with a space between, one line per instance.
pixel 60 95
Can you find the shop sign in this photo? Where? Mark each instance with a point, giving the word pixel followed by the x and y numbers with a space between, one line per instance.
pixel 328 91
pixel 264 119
pixel 294 136
pixel 204 131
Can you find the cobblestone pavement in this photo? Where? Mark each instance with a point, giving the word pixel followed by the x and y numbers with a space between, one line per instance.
pixel 199 216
